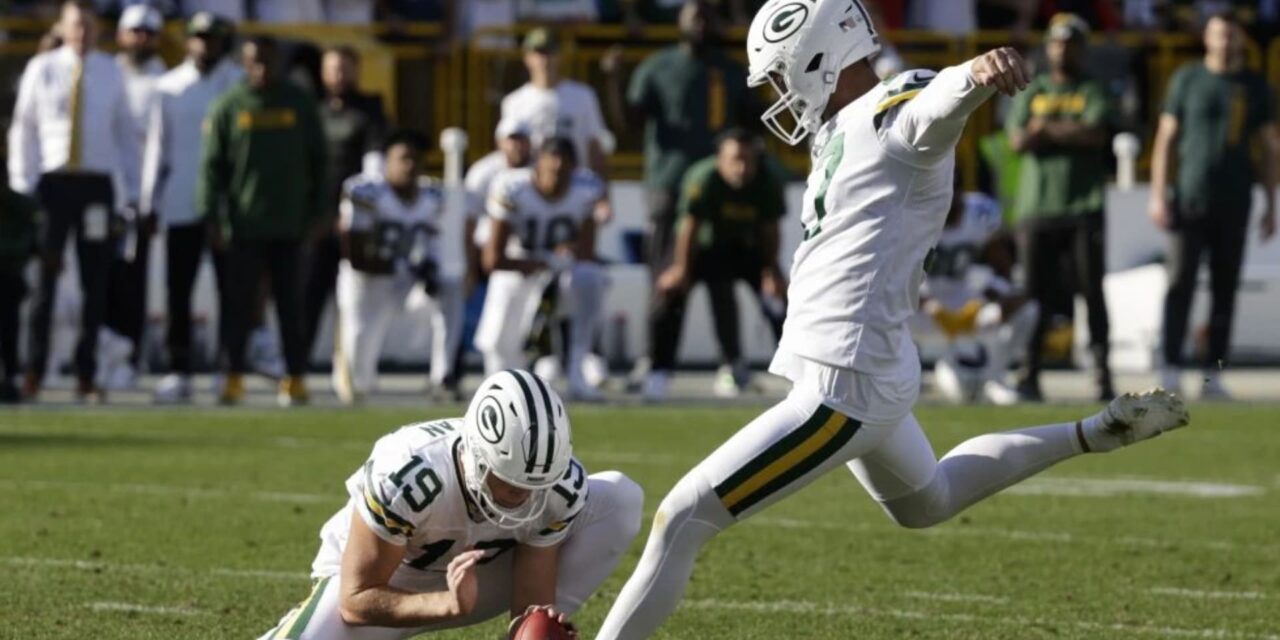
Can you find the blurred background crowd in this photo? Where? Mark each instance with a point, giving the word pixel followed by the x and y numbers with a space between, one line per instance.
pixel 147 140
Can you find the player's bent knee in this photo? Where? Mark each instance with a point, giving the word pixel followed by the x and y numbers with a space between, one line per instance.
pixel 922 509
pixel 627 501
pixel 692 500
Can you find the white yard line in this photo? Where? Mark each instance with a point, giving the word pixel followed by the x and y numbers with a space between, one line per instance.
pixel 1015 535
pixel 955 597
pixel 1208 595
pixel 178 491
pixel 1108 487
pixel 128 607
pixel 812 608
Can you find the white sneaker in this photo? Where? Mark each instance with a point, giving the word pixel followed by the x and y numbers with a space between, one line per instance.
pixel 1213 389
pixel 1133 418
pixel 1171 379
pixel 999 393
pixel 173 389
pixel 657 386
pixel 726 385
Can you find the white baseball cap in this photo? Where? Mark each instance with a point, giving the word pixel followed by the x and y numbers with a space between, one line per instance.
pixel 509 127
pixel 140 16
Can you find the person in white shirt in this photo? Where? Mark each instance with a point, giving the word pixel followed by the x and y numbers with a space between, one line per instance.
pixel 552 106
pixel 73 144
pixel 170 169
pixel 389 228
pixel 542 237
pixel 138 37
pixel 513 152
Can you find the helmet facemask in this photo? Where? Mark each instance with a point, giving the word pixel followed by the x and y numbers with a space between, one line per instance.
pixel 788 117
pixel 476 471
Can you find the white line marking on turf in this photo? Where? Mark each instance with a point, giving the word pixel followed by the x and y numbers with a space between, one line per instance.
pixel 128 607
pixel 1107 487
pixel 95 565
pixel 1209 595
pixel 171 490
pixel 1015 535
pixel 956 597
pixel 811 608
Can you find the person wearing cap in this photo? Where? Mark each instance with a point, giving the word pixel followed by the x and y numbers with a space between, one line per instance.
pixel 171 165
pixel 1060 126
pixel 1215 113
pixel 138 38
pixel 354 123
pixel 261 188
pixel 552 106
pixel 514 152
pixel 73 144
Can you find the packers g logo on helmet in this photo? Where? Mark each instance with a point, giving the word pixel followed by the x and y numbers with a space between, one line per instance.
pixel 492 423
pixel 784 21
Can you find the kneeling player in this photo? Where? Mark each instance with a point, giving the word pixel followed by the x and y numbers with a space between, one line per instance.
pixel 541 233
pixel 969 299
pixel 458 521
pixel 389 230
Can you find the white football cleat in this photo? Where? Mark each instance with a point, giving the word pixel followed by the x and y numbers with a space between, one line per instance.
pixel 1213 389
pixel 1133 418
pixel 173 389
pixel 999 394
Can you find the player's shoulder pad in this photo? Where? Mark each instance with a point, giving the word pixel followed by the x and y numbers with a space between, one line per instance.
pixel 363 189
pixel 569 499
pixel 900 88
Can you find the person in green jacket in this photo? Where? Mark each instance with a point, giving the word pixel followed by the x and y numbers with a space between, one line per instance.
pixel 17 245
pixel 1216 112
pixel 730 207
pixel 1060 126
pixel 260 190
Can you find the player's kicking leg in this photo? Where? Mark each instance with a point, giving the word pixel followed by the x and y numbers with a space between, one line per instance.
pixel 801 438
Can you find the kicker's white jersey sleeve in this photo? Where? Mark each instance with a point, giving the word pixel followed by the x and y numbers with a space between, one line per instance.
pixel 411 493
pixel 873 210
pixel 540 225
pixel 954 275
pixel 370 205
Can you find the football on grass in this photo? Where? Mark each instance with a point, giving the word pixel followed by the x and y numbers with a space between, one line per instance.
pixel 538 625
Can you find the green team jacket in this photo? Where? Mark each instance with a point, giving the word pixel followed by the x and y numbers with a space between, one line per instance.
pixel 262 173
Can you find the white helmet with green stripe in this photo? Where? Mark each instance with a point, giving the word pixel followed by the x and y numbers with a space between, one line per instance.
pixel 800 47
pixel 516 430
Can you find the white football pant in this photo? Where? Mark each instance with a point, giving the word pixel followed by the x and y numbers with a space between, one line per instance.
pixel 596 542
pixel 511 303
pixel 367 304
pixel 791 445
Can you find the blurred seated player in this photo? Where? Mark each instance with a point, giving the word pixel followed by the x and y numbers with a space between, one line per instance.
pixel 457 521
pixel 968 298
pixel 389 228
pixel 542 234
pixel 514 152
pixel 729 209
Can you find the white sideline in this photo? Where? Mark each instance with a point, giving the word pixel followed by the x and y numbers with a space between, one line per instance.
pixel 1208 595
pixel 128 607
pixel 1108 487
pixel 811 608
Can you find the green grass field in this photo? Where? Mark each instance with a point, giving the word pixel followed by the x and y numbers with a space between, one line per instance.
pixel 202 524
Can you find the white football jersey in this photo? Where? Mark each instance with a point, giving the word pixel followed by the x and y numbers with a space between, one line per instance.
pixel 955 276
pixel 411 493
pixel 569 110
pixel 539 225
pixel 480 179
pixel 873 210
pixel 370 205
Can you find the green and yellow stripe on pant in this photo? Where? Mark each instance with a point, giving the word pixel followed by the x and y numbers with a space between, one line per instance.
pixel 295 623
pixel 787 460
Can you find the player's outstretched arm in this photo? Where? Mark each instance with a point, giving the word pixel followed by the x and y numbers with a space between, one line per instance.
pixel 367 599
pixel 931 123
